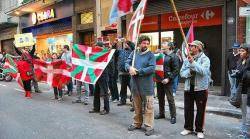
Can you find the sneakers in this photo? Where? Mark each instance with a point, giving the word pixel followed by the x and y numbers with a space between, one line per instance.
pixel 115 100
pixel 185 132
pixel 60 99
pixel 160 116
pixel 94 111
pixel 133 127
pixel 200 135
pixel 173 120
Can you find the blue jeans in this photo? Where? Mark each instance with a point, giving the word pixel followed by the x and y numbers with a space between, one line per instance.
pixel 233 87
pixel 245 127
pixel 175 84
pixel 79 90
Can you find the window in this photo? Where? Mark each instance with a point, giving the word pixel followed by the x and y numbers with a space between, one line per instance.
pixel 87 17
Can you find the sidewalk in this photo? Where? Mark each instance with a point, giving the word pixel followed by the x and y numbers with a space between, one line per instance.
pixel 216 104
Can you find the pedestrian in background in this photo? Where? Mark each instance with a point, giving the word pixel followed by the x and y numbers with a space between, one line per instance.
pixel 142 85
pixel 171 70
pixel 58 94
pixel 243 87
pixel 177 52
pixel 66 56
pixel 123 55
pixel 232 59
pixel 196 71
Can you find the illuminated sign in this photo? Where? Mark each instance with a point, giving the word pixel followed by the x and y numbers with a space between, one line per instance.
pixel 43 16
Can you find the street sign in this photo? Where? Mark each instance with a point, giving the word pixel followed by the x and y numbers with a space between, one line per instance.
pixel 244 11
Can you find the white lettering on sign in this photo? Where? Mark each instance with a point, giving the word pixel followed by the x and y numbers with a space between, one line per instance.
pixel 42 16
pixel 183 17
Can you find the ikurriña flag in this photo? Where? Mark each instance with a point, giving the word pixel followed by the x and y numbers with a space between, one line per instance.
pixel 159 70
pixel 88 63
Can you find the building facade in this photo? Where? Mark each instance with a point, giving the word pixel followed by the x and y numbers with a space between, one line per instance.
pixel 214 24
pixel 8 26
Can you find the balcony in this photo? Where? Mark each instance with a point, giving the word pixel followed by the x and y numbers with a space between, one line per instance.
pixel 6 21
pixel 30 6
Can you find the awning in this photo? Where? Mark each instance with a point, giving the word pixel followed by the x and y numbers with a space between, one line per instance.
pixel 30 7
pixel 5 25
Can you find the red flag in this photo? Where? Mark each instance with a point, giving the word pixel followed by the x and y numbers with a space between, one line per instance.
pixel 190 38
pixel 55 73
pixel 135 23
pixel 124 6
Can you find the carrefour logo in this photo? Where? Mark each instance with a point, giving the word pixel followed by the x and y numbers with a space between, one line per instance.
pixel 207 14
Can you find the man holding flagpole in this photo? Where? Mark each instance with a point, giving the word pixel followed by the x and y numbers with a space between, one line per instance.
pixel 142 85
pixel 196 71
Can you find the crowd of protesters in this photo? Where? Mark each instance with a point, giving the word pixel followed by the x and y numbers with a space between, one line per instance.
pixel 135 67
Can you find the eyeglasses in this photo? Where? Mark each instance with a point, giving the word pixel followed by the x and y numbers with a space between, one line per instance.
pixel 192 46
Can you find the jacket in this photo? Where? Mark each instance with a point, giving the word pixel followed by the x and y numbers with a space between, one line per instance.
pixel 201 66
pixel 171 66
pixel 123 55
pixel 145 63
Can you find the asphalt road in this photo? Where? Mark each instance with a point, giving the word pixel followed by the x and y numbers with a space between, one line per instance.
pixel 43 118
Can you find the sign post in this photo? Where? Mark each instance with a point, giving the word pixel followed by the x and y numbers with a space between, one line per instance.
pixel 24 40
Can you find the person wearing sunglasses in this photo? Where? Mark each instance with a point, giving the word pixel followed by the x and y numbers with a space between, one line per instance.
pixel 196 71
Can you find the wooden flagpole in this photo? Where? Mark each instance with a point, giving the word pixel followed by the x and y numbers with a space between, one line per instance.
pixel 179 22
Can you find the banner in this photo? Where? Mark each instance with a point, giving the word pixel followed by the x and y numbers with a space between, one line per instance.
pixel 88 63
pixel 24 40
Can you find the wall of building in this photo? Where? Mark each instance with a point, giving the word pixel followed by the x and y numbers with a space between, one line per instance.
pixel 241 23
pixel 81 6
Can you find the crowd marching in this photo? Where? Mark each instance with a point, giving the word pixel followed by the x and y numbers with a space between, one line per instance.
pixel 135 67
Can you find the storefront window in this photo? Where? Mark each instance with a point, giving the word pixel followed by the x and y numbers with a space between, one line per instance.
pixel 52 44
pixel 248 30
pixel 167 36
pixel 87 17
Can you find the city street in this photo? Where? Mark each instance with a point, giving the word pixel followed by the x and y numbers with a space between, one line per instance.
pixel 43 118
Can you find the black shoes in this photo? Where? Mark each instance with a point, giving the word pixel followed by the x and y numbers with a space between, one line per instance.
pixel 104 112
pixel 121 104
pixel 77 101
pixel 132 109
pixel 160 116
pixel 173 120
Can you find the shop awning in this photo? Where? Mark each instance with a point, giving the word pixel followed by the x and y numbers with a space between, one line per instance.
pixel 5 25
pixel 30 7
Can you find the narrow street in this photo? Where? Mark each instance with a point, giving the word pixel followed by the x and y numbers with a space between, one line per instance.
pixel 43 118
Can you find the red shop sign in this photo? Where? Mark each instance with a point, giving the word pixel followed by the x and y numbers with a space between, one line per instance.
pixel 201 17
pixel 149 23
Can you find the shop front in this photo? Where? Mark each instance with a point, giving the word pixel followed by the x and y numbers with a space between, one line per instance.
pixel 207 27
pixel 51 28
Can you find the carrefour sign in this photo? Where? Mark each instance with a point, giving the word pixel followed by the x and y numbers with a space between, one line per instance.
pixel 38 17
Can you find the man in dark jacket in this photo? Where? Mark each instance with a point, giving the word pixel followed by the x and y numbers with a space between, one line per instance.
pixel 123 55
pixel 232 60
pixel 171 70
pixel 101 90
